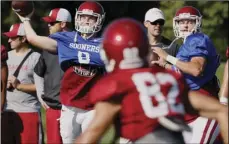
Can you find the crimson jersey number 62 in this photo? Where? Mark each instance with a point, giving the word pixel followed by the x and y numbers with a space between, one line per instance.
pixel 154 90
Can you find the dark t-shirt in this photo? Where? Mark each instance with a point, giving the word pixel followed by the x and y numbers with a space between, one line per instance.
pixel 48 68
pixel 165 43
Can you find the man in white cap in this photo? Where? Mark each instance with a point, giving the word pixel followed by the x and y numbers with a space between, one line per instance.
pixel 154 22
pixel 21 115
pixel 59 20
pixel 48 75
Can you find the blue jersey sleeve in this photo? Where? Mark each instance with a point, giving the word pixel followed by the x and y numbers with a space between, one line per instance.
pixel 58 37
pixel 197 45
pixel 62 38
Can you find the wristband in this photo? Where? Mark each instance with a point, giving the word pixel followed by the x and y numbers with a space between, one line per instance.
pixel 223 100
pixel 171 59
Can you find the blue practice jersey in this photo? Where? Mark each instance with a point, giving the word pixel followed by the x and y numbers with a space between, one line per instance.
pixel 199 45
pixel 71 46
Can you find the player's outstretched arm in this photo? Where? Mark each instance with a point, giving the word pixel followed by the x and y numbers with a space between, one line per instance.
pixel 42 42
pixel 194 67
pixel 105 113
pixel 211 108
pixel 224 87
pixel 206 105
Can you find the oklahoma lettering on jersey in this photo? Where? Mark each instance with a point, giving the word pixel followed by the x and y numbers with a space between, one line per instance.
pixel 85 47
pixel 71 46
pixel 145 95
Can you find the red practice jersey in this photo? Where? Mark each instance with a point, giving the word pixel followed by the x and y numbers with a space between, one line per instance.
pixel 74 87
pixel 145 94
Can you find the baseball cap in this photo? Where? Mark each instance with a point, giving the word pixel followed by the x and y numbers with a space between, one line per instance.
pixel 154 14
pixel 58 14
pixel 16 30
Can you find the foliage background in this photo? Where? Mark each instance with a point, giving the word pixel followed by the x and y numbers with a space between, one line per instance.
pixel 215 16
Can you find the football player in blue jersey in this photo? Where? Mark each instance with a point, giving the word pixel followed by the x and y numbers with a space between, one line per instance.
pixel 79 58
pixel 198 61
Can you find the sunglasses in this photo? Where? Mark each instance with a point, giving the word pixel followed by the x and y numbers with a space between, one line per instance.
pixel 52 23
pixel 160 22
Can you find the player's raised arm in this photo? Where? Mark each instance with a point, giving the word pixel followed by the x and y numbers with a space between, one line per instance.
pixel 42 42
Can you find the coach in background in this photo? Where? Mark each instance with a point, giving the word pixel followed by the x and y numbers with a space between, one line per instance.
pixel 154 23
pixel 48 75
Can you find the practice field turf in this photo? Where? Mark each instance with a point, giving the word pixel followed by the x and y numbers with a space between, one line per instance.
pixel 109 135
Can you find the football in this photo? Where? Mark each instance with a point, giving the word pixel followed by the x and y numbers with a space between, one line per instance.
pixel 23 8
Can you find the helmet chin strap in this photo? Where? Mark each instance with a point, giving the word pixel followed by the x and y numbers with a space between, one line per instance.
pixel 87 36
pixel 110 65
pixel 168 47
pixel 189 33
pixel 177 38
pixel 84 31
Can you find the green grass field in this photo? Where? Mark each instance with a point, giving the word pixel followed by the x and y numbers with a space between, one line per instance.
pixel 109 135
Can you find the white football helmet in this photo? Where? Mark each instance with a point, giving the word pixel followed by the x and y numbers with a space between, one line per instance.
pixel 89 8
pixel 187 12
